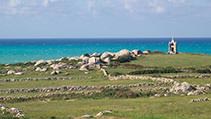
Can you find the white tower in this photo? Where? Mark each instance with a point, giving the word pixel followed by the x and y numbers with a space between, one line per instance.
pixel 172 47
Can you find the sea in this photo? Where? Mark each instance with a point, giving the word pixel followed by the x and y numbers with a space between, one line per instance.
pixel 23 50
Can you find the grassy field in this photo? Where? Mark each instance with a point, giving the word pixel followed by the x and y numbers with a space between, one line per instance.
pixel 140 108
pixel 146 107
pixel 178 61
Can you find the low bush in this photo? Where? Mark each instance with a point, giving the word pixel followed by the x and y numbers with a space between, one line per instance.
pixel 119 93
pixel 115 74
pixel 155 71
pixel 205 70
pixel 132 66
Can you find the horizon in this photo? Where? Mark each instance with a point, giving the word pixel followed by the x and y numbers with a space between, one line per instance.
pixel 23 19
pixel 93 38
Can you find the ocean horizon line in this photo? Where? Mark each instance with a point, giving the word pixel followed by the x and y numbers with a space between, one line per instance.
pixel 72 38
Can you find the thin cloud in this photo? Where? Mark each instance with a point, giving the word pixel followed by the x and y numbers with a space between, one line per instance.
pixel 92 7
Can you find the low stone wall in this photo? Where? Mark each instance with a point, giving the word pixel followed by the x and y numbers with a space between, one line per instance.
pixel 177 88
pixel 34 79
pixel 72 88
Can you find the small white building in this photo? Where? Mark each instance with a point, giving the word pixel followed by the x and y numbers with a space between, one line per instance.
pixel 172 47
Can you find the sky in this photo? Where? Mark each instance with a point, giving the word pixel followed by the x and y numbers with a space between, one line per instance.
pixel 104 18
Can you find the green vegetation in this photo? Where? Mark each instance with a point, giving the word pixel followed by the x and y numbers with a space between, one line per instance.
pixel 176 61
pixel 140 108
pixel 128 99
pixel 196 81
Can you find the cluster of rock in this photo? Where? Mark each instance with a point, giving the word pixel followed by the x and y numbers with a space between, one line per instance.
pixel 13 111
pixel 12 72
pixel 84 62
pixel 96 60
pixel 188 89
pixel 206 99
pixel 98 115
pixel 56 66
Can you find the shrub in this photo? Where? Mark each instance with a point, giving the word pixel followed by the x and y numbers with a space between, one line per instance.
pixel 132 66
pixel 155 71
pixel 119 93
pixel 206 70
pixel 115 73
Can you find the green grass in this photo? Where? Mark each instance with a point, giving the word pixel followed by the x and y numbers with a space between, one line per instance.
pixel 74 82
pixel 175 107
pixel 196 81
pixel 140 108
pixel 177 61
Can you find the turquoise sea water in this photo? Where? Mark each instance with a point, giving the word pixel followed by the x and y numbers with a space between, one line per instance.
pixel 22 50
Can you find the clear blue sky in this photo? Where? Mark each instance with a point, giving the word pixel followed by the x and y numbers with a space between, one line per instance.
pixel 104 18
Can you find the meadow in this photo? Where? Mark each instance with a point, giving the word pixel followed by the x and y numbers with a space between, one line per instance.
pixel 127 99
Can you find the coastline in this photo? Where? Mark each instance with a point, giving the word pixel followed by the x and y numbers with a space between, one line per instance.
pixel 23 51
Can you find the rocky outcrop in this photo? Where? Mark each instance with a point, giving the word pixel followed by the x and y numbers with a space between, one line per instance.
pixel 100 114
pixel 10 72
pixel 84 67
pixel 106 57
pixel 40 62
pixel 93 60
pixel 182 88
pixel 55 72
pixel 146 52
pixel 58 66
pixel 123 56
pixel 136 53
pixel 15 112
pixel 38 69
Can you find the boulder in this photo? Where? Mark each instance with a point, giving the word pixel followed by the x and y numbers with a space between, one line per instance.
pixel 83 56
pixel 107 60
pixel 85 59
pixel 58 66
pixel 87 116
pixel 107 112
pixel 14 111
pixel 39 62
pixel 136 52
pixel 95 55
pixel 123 56
pixel 182 88
pixel 19 73
pixel 105 73
pixel 74 58
pixel 55 72
pixel 94 60
pixel 100 114
pixel 49 62
pixel 11 72
pixel 2 107
pixel 84 67
pixel 38 69
pixel 106 57
pixel 146 52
